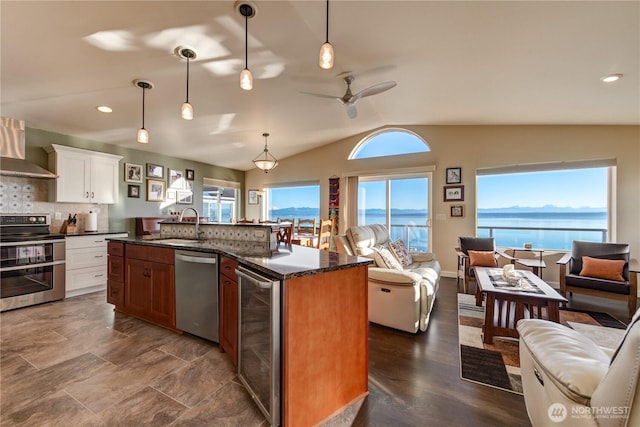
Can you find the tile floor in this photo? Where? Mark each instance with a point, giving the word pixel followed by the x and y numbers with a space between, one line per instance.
pixel 78 363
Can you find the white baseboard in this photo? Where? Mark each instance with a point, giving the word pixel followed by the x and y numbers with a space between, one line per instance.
pixel 87 290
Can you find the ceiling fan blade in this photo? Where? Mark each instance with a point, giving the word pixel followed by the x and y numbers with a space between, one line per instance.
pixel 373 90
pixel 321 95
pixel 351 111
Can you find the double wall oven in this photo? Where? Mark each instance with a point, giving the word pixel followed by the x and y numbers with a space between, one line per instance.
pixel 32 261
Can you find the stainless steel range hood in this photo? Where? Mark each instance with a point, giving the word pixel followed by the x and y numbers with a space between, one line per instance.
pixel 12 150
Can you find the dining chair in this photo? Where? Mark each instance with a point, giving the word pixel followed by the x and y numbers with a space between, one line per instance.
pixel 285 233
pixel 324 234
pixel 307 226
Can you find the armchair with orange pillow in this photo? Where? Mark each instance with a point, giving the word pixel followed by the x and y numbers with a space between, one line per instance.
pixel 476 252
pixel 602 270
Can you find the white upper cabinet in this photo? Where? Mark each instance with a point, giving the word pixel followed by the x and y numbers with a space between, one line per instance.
pixel 84 176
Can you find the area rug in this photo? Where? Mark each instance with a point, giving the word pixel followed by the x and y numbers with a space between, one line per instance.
pixel 498 364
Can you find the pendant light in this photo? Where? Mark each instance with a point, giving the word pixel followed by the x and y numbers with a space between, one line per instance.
pixel 246 78
pixel 186 111
pixel 143 134
pixel 265 160
pixel 326 50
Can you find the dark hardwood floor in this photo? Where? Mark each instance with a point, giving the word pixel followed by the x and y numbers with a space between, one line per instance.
pixel 414 379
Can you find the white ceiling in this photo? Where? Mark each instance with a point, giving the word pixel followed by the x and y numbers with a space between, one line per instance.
pixel 455 63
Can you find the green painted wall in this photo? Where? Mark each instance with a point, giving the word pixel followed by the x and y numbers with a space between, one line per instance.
pixel 122 213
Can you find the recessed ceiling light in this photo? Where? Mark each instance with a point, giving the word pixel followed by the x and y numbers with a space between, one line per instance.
pixel 104 109
pixel 610 78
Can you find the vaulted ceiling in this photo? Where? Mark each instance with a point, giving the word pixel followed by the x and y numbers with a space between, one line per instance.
pixel 456 63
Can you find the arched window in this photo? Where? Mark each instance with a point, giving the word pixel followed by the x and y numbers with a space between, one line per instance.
pixel 389 142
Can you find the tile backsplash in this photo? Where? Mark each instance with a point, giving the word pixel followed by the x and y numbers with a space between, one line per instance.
pixel 31 195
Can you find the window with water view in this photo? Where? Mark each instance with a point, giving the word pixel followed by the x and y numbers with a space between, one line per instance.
pixel 293 202
pixel 549 209
pixel 402 204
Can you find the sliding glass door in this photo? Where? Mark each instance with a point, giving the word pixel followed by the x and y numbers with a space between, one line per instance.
pixel 401 202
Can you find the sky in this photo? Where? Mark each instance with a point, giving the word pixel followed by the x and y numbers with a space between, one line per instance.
pixel 569 188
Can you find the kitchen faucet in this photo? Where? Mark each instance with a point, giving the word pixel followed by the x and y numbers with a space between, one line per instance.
pixel 197 218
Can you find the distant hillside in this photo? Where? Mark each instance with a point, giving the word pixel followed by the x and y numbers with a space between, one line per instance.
pixel 546 208
pixel 310 212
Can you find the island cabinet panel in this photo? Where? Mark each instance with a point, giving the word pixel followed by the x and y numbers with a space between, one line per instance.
pixel 115 274
pixel 149 284
pixel 229 308
pixel 325 353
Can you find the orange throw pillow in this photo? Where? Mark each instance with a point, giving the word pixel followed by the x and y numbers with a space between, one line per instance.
pixel 483 259
pixel 610 269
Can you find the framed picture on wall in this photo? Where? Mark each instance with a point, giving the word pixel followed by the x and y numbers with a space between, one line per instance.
pixel 176 179
pixel 454 193
pixel 155 190
pixel 457 210
pixel 253 197
pixel 133 191
pixel 155 171
pixel 184 197
pixel 454 175
pixel 132 172
pixel 191 175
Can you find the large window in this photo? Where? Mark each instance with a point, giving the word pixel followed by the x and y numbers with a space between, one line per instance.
pixel 293 201
pixel 399 202
pixel 548 208
pixel 389 142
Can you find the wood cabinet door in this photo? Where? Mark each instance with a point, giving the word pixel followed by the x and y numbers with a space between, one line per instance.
pixel 115 268
pixel 138 289
pixel 115 293
pixel 229 317
pixel 162 299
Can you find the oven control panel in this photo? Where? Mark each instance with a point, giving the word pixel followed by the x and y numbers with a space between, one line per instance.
pixel 28 219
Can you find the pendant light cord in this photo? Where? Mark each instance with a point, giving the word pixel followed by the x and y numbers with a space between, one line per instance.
pixel 143 89
pixel 246 40
pixel 327 40
pixel 188 56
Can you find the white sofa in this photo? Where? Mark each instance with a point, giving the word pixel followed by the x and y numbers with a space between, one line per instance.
pixel 401 299
pixel 568 380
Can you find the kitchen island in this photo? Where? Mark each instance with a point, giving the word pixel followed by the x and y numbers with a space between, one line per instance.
pixel 322 311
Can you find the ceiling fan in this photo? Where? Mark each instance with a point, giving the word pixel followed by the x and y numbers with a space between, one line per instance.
pixel 350 100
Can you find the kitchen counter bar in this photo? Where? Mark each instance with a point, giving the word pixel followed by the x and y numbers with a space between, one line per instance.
pixel 285 262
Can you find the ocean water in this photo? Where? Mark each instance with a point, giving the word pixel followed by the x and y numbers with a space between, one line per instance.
pixel 552 230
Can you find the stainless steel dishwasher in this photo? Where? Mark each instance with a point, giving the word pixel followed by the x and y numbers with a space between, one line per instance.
pixel 196 283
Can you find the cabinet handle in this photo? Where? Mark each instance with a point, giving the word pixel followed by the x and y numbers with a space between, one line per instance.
pixel 87 196
pixel 98 256
pixel 98 275
pixel 92 196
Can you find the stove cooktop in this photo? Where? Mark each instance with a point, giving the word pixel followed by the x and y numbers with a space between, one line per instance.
pixel 26 227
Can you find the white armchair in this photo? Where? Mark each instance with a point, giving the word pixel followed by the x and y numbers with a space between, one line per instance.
pixel 568 380
pixel 400 297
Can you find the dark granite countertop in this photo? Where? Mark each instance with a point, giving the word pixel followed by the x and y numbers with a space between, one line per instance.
pixel 287 261
pixel 96 233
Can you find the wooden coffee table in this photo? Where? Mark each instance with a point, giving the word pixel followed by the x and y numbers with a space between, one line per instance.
pixel 505 304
